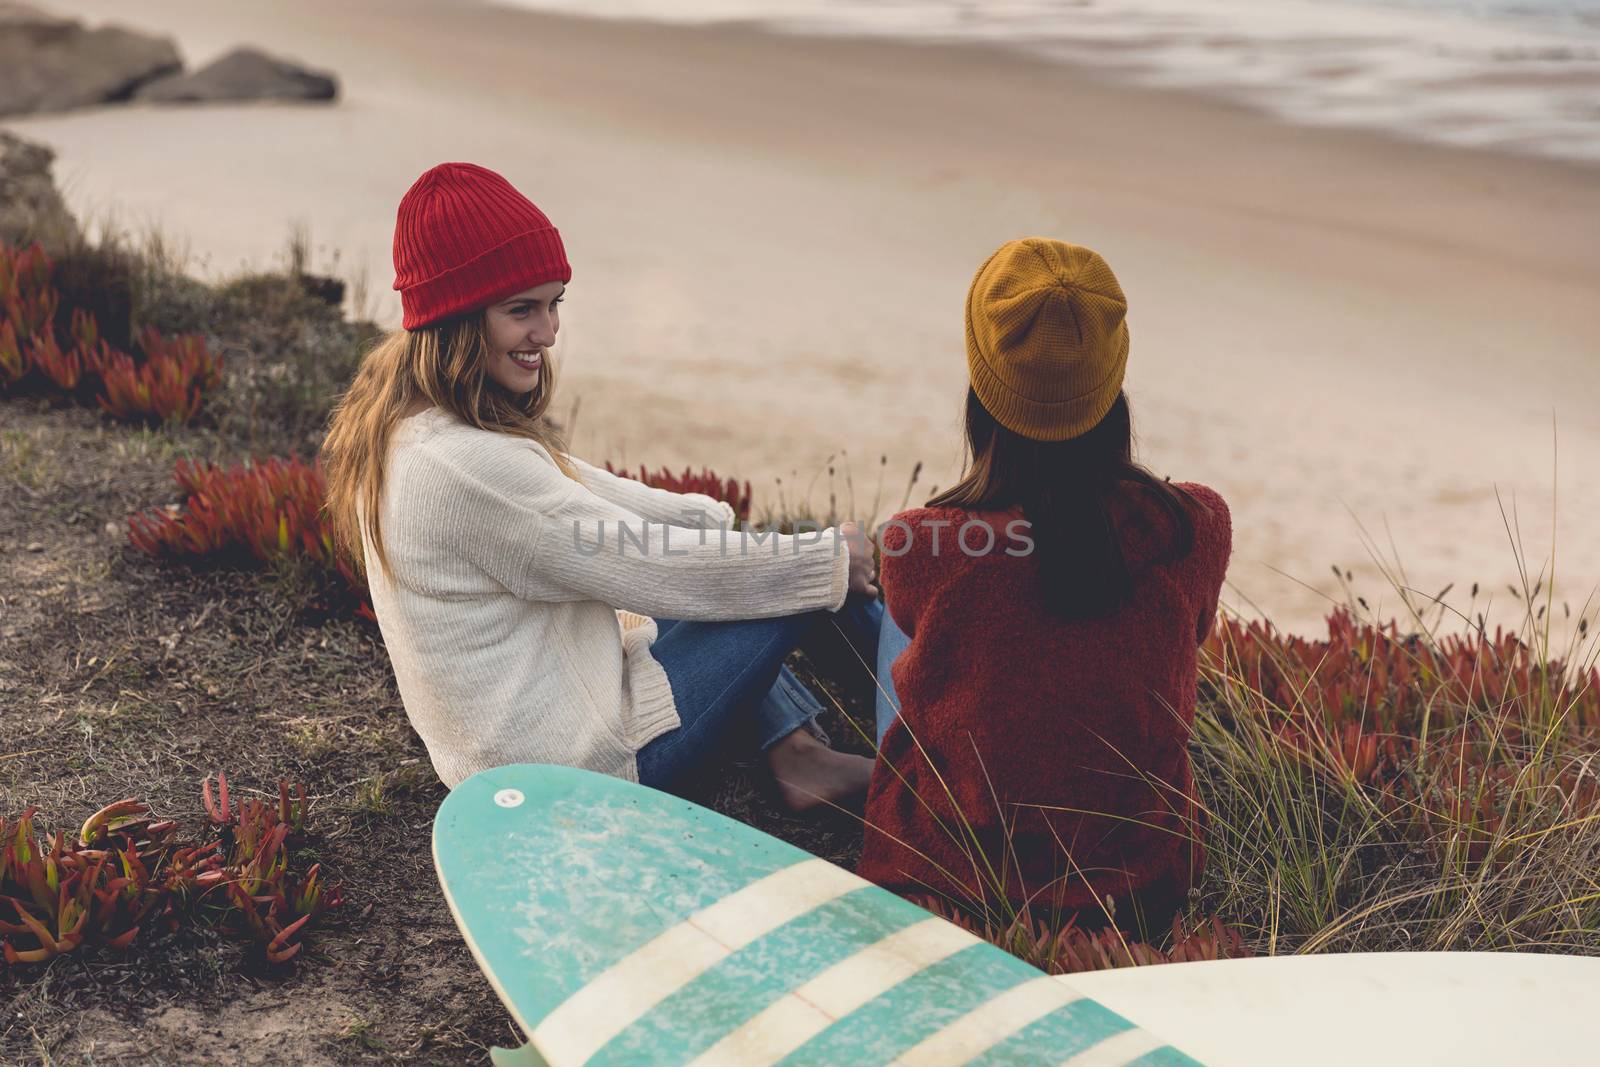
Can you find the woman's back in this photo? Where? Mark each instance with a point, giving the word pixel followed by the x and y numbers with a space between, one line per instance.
pixel 1014 706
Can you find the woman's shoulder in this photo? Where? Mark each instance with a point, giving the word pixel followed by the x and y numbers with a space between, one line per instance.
pixel 1213 526
pixel 909 526
pixel 915 518
pixel 444 446
pixel 952 535
pixel 1203 503
pixel 1213 522
pixel 440 432
pixel 432 429
pixel 1208 498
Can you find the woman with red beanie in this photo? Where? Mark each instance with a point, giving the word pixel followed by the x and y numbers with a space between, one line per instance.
pixel 1043 621
pixel 535 608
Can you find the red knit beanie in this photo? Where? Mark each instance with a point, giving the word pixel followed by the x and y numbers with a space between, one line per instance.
pixel 466 238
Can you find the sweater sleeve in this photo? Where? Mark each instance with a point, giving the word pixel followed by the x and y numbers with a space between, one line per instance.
pixel 545 537
pixel 1213 546
pixel 902 570
pixel 689 510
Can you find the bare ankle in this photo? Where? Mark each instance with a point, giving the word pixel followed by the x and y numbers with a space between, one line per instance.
pixel 795 746
pixel 809 774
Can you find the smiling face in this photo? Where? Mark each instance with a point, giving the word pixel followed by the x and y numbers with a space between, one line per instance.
pixel 520 329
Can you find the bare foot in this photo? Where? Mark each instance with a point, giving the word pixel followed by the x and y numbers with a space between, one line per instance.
pixel 809 774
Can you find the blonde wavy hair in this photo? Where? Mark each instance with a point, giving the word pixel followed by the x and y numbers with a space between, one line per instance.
pixel 442 365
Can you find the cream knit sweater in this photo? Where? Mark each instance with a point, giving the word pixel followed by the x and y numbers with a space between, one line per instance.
pixel 517 636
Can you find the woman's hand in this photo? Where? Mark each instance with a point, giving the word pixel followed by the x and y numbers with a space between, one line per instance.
pixel 863 567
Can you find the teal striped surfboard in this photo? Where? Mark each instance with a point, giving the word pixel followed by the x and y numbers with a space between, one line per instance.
pixel 621 925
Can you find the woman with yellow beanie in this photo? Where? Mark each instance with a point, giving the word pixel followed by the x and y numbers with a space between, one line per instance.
pixel 1043 625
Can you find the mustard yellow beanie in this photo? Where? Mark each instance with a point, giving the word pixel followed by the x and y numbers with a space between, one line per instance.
pixel 1047 340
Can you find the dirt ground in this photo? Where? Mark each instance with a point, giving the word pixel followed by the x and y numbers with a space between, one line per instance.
pixel 122 677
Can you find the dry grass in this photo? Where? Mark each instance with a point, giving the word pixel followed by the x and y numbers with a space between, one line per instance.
pixel 1436 788
pixel 123 677
pixel 1382 791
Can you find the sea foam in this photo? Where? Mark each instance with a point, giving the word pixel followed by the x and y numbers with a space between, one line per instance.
pixel 1521 75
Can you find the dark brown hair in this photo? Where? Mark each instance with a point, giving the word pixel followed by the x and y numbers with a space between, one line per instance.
pixel 1064 489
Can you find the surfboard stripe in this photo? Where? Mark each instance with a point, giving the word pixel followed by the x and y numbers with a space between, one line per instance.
pixel 836 992
pixel 910 1011
pixel 767 904
pixel 755 977
pixel 990 1023
pixel 1166 1056
pixel 1119 1050
pixel 849 984
pixel 586 1021
pixel 1060 1035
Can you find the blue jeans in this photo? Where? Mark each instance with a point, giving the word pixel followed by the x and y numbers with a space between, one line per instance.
pixel 891 642
pixel 728 676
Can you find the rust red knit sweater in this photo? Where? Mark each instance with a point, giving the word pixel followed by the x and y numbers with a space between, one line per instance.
pixel 1015 708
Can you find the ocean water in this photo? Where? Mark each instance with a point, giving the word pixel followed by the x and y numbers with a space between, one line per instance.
pixel 1521 75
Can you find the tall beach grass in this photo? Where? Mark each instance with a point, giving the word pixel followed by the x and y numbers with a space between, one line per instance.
pixel 1432 785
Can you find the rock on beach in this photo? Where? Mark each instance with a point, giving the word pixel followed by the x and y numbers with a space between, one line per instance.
pixel 242 74
pixel 56 64
pixel 31 208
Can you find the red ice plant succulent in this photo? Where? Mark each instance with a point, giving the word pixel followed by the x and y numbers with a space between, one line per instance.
pixel 27 309
pixel 14 362
pixel 270 903
pixel 126 871
pixel 1368 676
pixel 268 511
pixel 1067 949
pixel 64 369
pixel 736 494
pixel 168 385
pixel 1448 736
pixel 27 300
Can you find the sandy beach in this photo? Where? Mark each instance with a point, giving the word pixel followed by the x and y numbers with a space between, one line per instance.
pixel 772 236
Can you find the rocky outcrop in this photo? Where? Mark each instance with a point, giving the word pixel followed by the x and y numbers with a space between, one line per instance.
pixel 53 64
pixel 30 207
pixel 243 74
